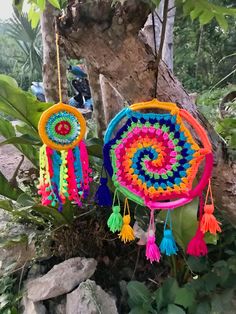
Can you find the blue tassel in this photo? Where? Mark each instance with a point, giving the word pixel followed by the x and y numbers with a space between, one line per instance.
pixel 168 245
pixel 103 195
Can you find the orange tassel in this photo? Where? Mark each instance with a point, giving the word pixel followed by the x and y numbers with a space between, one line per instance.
pixel 209 221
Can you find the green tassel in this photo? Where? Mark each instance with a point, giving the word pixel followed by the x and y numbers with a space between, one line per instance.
pixel 115 221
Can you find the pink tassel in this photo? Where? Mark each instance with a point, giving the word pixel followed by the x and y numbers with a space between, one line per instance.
pixel 197 246
pixel 72 184
pixel 85 166
pixel 152 251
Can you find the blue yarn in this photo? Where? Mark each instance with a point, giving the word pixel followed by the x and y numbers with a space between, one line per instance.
pixel 78 166
pixel 103 195
pixel 168 245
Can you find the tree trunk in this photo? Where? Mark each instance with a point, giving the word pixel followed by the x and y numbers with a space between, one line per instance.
pixel 98 109
pixel 108 38
pixel 112 101
pixel 50 81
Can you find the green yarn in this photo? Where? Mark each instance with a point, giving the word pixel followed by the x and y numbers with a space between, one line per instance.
pixel 115 221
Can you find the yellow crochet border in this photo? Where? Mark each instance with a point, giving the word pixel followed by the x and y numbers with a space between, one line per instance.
pixel 47 114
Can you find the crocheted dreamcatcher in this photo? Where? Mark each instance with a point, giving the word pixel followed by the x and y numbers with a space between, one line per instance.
pixel 64 166
pixel 153 160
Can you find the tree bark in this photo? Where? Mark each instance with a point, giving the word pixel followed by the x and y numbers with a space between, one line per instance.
pixel 109 38
pixel 112 101
pixel 98 109
pixel 50 80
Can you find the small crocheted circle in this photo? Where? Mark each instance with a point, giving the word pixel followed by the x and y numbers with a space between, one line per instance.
pixel 61 127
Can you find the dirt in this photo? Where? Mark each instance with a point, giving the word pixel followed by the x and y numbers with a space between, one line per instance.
pixel 10 158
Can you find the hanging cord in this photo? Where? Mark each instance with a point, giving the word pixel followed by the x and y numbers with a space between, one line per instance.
pixel 58 68
pixel 158 55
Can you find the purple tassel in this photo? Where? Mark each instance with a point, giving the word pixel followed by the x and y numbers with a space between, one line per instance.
pixel 103 195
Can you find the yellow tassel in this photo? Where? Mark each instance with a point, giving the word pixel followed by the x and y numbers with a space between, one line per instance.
pixel 127 233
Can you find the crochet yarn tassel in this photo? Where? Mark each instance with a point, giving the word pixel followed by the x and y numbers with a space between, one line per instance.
pixel 208 221
pixel 197 246
pixel 115 220
pixel 127 233
pixel 103 195
pixel 168 245
pixel 152 251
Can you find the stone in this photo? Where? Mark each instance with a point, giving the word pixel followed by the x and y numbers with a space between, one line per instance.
pixel 18 252
pixel 61 279
pixel 89 298
pixel 31 307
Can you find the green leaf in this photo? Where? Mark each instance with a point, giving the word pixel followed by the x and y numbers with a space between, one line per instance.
pixel 196 12
pixel 166 293
pixel 55 3
pixel 7 190
pixel 211 238
pixel 21 105
pixel 138 292
pixel 6 128
pixel 139 310
pixel 222 21
pixel 41 4
pixel 11 81
pixel 184 222
pixel 197 265
pixel 174 309
pixel 206 17
pixel 18 4
pixel 24 139
pixel 185 297
pixel 34 16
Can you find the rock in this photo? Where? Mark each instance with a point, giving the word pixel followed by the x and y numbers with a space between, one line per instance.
pixel 16 252
pixel 31 307
pixel 89 298
pixel 61 279
pixel 57 305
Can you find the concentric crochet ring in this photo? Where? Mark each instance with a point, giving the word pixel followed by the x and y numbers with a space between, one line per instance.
pixel 61 127
pixel 153 159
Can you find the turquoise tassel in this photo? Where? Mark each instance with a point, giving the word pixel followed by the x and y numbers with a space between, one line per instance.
pixel 168 245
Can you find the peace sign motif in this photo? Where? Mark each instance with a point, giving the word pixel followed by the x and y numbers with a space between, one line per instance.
pixel 62 127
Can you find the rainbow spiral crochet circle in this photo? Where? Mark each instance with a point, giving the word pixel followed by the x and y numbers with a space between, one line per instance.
pixel 62 127
pixel 153 156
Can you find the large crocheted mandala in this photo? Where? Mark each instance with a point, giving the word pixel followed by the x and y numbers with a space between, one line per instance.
pixel 154 155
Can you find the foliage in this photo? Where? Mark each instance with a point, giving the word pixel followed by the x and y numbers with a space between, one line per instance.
pixel 10 58
pixel 204 10
pixel 198 62
pixel 208 103
pixel 29 41
pixel 207 287
pixel 26 110
pixel 9 298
